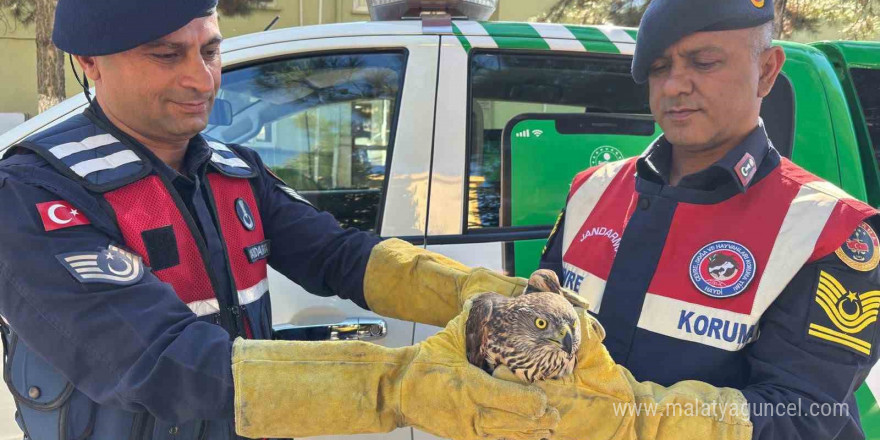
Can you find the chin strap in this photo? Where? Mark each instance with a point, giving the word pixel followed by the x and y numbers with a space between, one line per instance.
pixel 84 82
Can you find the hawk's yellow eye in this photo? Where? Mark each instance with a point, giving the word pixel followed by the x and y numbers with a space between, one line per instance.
pixel 540 323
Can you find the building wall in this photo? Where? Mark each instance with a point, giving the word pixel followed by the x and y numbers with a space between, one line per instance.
pixel 18 69
pixel 18 49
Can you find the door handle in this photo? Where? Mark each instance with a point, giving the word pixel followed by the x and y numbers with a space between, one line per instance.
pixel 351 329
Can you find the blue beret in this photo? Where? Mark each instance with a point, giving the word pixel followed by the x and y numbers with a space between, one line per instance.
pixel 667 21
pixel 103 27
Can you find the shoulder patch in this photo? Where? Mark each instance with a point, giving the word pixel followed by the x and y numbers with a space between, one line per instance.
pixel 844 311
pixel 111 265
pixel 228 161
pixel 861 251
pixel 294 195
pixel 59 215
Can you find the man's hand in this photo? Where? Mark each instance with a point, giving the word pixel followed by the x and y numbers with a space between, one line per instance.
pixel 298 389
pixel 602 400
pixel 411 283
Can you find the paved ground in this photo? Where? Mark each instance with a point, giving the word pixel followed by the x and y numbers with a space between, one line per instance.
pixel 8 428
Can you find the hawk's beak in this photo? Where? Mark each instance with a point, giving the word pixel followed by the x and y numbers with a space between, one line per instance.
pixel 567 342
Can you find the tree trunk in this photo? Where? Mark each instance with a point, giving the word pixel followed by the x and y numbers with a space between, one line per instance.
pixel 50 60
pixel 780 18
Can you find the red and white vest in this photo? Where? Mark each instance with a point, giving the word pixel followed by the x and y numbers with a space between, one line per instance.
pixel 784 221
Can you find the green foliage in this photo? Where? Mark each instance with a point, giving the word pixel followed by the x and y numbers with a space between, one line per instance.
pixel 232 8
pixel 13 12
pixel 618 12
pixel 855 19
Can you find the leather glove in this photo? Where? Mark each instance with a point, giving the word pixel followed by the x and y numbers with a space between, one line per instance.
pixel 602 400
pixel 410 283
pixel 299 389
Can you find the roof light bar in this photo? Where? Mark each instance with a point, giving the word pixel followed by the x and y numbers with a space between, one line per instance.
pixel 388 10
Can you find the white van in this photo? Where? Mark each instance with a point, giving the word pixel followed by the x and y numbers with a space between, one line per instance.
pixel 396 127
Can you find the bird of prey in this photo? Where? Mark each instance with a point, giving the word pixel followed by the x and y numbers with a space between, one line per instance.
pixel 536 335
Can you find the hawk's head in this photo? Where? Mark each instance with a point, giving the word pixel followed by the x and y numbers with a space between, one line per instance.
pixel 535 335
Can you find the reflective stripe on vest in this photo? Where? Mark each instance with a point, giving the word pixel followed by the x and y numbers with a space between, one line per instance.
pixel 796 219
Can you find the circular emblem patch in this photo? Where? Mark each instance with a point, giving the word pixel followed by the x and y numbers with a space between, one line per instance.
pixel 722 269
pixel 605 154
pixel 860 251
pixel 244 214
pixel 758 3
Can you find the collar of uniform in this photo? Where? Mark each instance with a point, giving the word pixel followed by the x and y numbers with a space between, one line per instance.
pixel 197 151
pixel 738 166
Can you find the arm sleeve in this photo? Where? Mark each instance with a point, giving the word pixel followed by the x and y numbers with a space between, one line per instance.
pixel 803 373
pixel 309 246
pixel 134 346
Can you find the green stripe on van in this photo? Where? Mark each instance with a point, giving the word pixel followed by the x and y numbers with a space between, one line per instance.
pixel 461 38
pixel 593 39
pixel 515 36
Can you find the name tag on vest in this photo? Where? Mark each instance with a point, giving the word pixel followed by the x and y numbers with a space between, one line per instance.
pixel 257 252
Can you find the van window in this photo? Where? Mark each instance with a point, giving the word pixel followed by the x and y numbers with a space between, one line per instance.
pixel 323 123
pixel 867 84
pixel 504 85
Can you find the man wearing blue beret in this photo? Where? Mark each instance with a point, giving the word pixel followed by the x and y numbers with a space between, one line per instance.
pixel 133 270
pixel 744 289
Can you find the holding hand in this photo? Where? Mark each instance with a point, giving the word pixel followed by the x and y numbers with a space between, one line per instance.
pixel 298 389
pixel 602 400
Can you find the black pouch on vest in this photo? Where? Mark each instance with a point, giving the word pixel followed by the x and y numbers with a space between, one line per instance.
pixel 48 406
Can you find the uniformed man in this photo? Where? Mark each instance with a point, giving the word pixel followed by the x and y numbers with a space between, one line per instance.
pixel 737 271
pixel 134 251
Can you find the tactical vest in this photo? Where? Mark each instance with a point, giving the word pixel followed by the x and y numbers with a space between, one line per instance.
pixel 717 273
pixel 157 226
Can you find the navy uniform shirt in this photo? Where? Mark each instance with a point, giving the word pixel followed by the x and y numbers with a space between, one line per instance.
pixel 139 347
pixel 784 365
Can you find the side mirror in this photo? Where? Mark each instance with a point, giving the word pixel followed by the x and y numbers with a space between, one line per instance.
pixel 221 113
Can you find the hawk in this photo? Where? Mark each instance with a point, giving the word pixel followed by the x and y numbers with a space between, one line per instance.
pixel 536 335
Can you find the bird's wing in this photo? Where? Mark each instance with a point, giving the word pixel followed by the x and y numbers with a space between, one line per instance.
pixel 476 328
pixel 543 280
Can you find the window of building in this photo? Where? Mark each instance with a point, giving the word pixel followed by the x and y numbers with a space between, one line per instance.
pixel 323 123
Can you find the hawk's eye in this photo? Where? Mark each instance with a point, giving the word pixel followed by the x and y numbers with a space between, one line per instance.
pixel 540 323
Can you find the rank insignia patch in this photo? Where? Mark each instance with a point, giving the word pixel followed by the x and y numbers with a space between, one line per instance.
pixel 844 314
pixel 860 251
pixel 745 169
pixel 294 195
pixel 107 265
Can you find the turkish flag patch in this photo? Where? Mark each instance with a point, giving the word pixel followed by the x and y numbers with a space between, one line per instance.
pixel 60 214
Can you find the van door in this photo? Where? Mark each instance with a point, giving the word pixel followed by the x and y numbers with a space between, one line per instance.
pixel 480 92
pixel 343 121
pixel 481 88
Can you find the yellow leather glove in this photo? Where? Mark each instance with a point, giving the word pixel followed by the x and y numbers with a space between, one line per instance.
pixel 602 400
pixel 298 389
pixel 410 283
